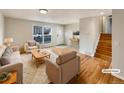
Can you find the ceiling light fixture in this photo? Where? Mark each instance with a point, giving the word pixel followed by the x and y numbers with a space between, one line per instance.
pixel 43 11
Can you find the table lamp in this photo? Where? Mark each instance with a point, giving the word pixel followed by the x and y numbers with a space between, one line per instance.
pixel 8 41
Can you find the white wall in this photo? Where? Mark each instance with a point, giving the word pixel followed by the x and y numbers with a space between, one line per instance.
pixel 69 29
pixel 1 28
pixel 60 35
pixel 89 33
pixel 21 30
pixel 118 41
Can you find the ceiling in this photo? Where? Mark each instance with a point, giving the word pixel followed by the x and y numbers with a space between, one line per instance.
pixel 59 16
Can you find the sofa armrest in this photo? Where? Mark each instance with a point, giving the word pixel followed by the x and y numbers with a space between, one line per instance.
pixel 50 64
pixel 53 71
pixel 78 57
pixel 14 67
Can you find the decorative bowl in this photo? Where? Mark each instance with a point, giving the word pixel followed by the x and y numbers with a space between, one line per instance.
pixel 5 76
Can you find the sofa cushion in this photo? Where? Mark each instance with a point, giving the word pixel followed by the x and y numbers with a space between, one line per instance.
pixel 65 57
pixel 4 61
pixel 2 49
pixel 62 50
pixel 15 48
pixel 13 57
pixel 8 52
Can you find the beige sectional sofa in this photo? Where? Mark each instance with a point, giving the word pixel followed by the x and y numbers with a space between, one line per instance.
pixel 14 65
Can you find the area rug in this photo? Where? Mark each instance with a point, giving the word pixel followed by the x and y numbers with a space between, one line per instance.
pixel 37 75
pixel 31 73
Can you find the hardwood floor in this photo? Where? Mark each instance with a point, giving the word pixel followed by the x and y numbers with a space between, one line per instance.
pixel 90 72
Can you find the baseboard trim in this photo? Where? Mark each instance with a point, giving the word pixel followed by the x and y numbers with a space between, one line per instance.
pixel 87 53
pixel 120 77
pixel 96 44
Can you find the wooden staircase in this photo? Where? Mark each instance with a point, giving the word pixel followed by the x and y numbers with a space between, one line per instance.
pixel 104 48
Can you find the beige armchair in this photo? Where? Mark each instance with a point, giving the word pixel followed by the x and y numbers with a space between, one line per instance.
pixel 30 45
pixel 64 69
pixel 18 67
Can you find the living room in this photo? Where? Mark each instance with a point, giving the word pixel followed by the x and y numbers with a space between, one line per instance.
pixel 63 33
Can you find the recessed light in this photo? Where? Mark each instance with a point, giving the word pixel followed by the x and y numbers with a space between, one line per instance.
pixel 43 11
pixel 101 13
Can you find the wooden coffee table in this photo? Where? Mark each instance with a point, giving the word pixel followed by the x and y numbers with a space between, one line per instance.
pixel 39 55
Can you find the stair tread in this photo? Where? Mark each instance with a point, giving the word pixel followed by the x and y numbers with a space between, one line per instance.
pixel 104 45
pixel 102 56
pixel 104 52
pixel 105 37
pixel 106 34
pixel 108 41
pixel 104 48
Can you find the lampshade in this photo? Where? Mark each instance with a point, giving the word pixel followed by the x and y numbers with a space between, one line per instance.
pixel 8 40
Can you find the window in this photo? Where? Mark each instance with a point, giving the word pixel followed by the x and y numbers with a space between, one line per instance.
pixel 42 34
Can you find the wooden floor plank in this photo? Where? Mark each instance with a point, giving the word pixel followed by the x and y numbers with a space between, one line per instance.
pixel 91 72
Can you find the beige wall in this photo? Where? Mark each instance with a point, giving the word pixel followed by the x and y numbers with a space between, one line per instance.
pixel 21 30
pixel 1 28
pixel 118 42
pixel 69 29
pixel 89 34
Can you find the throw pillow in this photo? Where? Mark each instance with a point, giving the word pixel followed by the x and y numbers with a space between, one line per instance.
pixel 2 49
pixel 15 48
pixel 4 76
pixel 4 61
pixel 8 52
